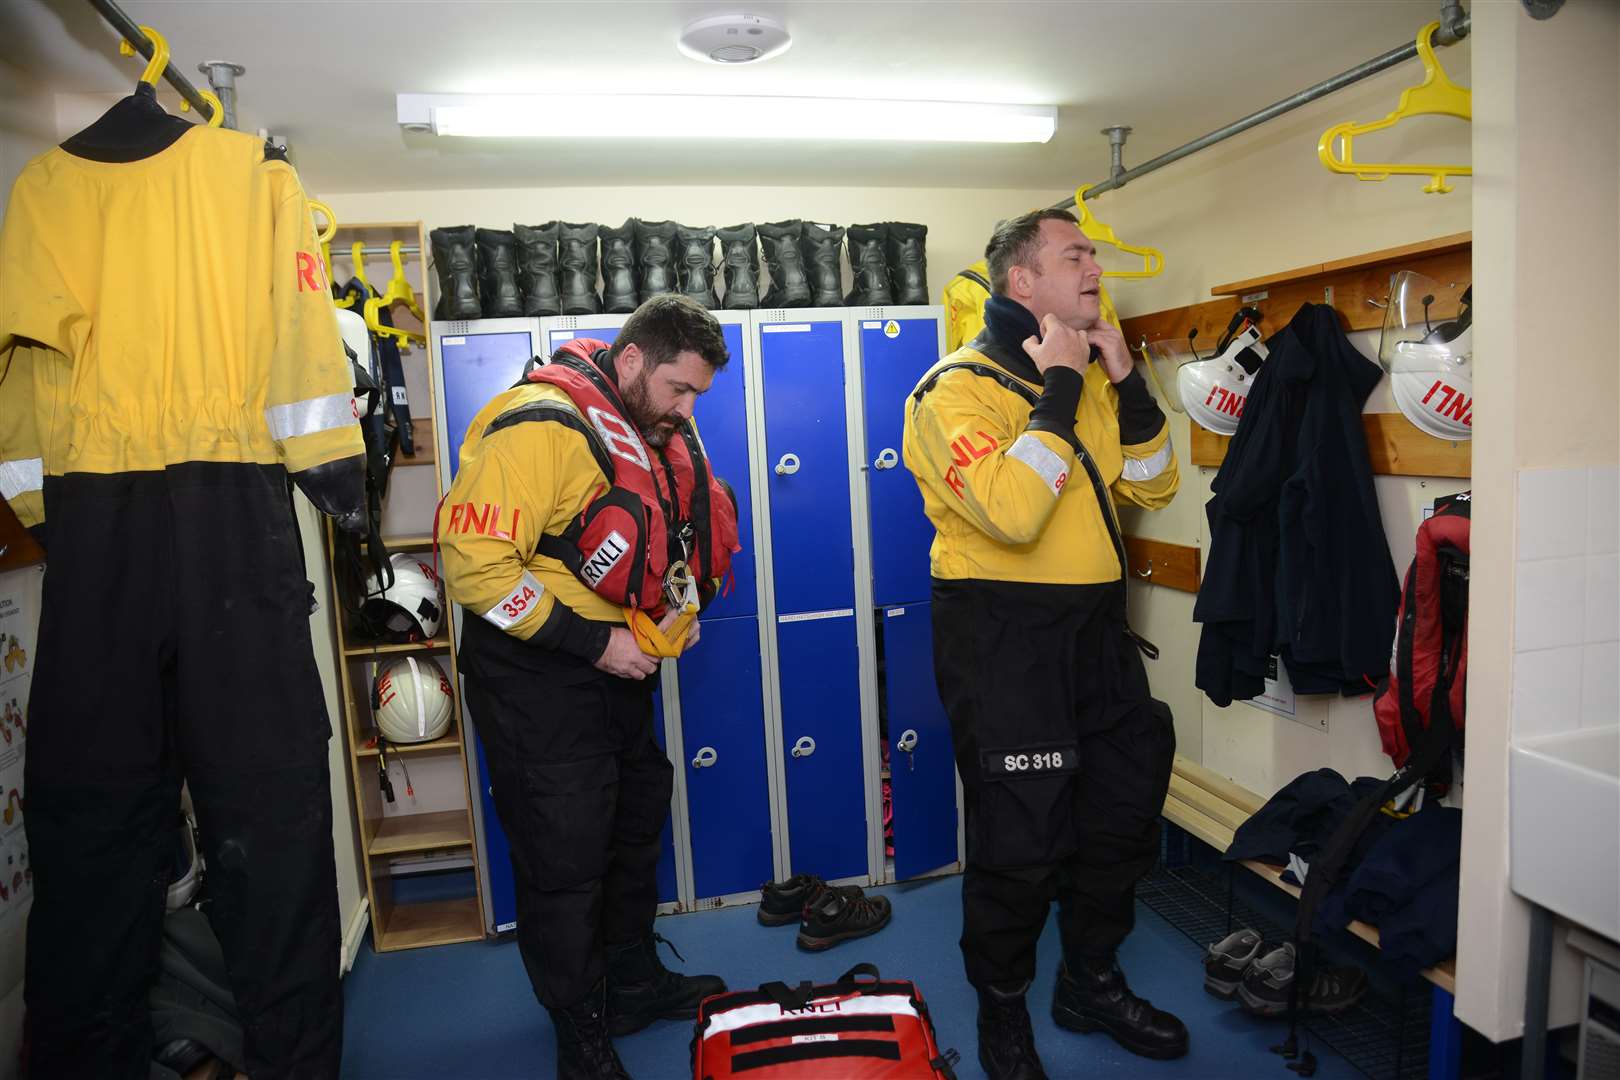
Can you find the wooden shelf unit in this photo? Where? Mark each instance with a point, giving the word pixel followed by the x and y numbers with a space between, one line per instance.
pixel 395 922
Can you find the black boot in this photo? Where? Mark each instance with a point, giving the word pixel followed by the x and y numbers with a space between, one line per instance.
pixel 584 1048
pixel 819 246
pixel 739 254
pixel 576 274
pixel 537 268
pixel 497 274
pixel 641 989
pixel 1006 1041
pixel 455 259
pixel 1091 995
pixel 789 286
pixel 870 262
pixel 618 274
pixel 694 249
pixel 907 253
pixel 655 270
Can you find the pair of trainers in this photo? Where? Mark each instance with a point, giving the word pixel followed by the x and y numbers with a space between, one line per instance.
pixel 1260 977
pixel 826 914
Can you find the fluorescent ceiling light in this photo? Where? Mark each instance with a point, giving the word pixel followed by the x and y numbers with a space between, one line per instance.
pixel 597 116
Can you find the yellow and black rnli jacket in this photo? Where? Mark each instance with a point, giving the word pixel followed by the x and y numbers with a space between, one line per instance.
pixel 562 516
pixel 22 466
pixel 184 296
pixel 1019 474
pixel 964 297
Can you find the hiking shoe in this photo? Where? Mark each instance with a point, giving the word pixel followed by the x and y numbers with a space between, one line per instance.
pixel 1227 960
pixel 783 902
pixel 1265 986
pixel 1006 1040
pixel 1093 996
pixel 835 917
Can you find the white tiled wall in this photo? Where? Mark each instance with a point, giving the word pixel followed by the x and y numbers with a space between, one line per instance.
pixel 1567 601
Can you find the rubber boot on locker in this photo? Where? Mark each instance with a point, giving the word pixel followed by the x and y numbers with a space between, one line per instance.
pixel 576 276
pixel 655 271
pixel 789 286
pixel 694 250
pixel 498 273
pixel 739 254
pixel 456 261
pixel 618 268
pixel 537 268
pixel 818 248
pixel 868 258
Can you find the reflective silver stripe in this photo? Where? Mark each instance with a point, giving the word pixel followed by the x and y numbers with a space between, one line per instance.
pixel 512 608
pixel 1139 469
pixel 309 416
pixel 18 477
pixel 1037 455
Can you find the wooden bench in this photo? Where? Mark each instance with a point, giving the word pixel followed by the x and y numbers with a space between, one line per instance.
pixel 1211 807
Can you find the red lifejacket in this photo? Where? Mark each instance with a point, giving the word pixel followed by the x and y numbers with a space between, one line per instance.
pixel 653 510
pixel 1429 666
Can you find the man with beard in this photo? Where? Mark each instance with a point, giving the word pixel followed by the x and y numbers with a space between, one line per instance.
pixel 1021 442
pixel 581 492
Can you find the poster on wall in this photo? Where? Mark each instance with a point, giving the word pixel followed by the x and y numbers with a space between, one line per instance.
pixel 19 623
pixel 1278 697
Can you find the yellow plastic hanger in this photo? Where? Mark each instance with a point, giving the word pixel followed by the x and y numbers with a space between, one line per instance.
pixel 160 55
pixel 399 289
pixel 1436 95
pixel 1152 258
pixel 215 118
pixel 324 236
pixel 404 337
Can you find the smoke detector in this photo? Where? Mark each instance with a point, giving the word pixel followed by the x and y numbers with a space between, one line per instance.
pixel 734 38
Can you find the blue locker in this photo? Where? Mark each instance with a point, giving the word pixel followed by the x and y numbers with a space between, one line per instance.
pixel 808 454
pixel 922 761
pixel 894 355
pixel 723 732
pixel 668 892
pixel 819 671
pixel 722 421
pixel 479 363
pixel 501 890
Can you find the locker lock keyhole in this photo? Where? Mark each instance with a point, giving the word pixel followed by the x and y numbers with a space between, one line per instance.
pixel 705 757
pixel 886 459
pixel 906 744
pixel 788 465
pixel 804 747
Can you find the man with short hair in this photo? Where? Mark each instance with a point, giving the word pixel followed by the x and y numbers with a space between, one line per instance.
pixel 583 510
pixel 1021 441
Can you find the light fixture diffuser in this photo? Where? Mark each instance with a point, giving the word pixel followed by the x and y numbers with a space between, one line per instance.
pixel 601 116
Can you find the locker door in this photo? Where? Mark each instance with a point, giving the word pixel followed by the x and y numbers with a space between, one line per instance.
pixel 668 892
pixel 497 861
pixel 819 673
pixel 923 777
pixel 477 365
pixel 807 454
pixel 894 355
pixel 722 725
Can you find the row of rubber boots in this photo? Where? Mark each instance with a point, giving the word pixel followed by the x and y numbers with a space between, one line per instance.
pixel 637 990
pixel 551 269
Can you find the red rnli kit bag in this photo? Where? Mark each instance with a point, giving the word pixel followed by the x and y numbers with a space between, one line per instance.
pixel 854 1029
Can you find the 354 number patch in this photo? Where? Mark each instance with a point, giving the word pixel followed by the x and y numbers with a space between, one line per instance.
pixel 1029 761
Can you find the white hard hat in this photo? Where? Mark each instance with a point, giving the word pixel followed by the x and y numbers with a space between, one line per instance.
pixel 411 607
pixel 1429 357
pixel 411 700
pixel 1213 392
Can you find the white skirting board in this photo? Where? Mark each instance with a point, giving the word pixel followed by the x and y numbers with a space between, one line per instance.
pixel 353 935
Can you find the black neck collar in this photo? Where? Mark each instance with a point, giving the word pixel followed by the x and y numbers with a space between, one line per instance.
pixel 135 128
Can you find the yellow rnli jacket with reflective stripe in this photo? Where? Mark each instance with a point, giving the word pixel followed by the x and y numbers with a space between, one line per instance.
pixel 1012 504
pixel 527 469
pixel 964 298
pixel 22 467
pixel 187 292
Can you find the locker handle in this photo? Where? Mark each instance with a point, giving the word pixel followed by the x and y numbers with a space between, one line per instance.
pixel 788 465
pixel 705 758
pixel 886 459
pixel 804 747
pixel 908 741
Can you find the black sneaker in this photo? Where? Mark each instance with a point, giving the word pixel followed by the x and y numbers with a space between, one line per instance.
pixel 783 902
pixel 1265 987
pixel 835 917
pixel 1227 960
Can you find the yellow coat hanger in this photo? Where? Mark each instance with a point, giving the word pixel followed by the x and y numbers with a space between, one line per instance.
pixel 215 118
pixel 1436 95
pixel 399 289
pixel 324 236
pixel 160 55
pixel 375 325
pixel 1152 258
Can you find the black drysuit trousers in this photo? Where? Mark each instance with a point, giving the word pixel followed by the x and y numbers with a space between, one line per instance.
pixel 1065 759
pixel 582 790
pixel 174 646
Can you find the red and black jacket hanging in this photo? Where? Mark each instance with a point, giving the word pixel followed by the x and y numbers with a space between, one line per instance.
pixel 653 510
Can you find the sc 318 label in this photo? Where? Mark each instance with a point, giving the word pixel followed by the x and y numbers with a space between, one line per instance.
pixel 1050 759
pixel 1030 761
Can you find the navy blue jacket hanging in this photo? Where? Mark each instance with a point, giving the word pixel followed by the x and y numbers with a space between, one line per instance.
pixel 1298 565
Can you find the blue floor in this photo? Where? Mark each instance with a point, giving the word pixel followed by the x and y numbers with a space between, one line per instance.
pixel 466 1011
